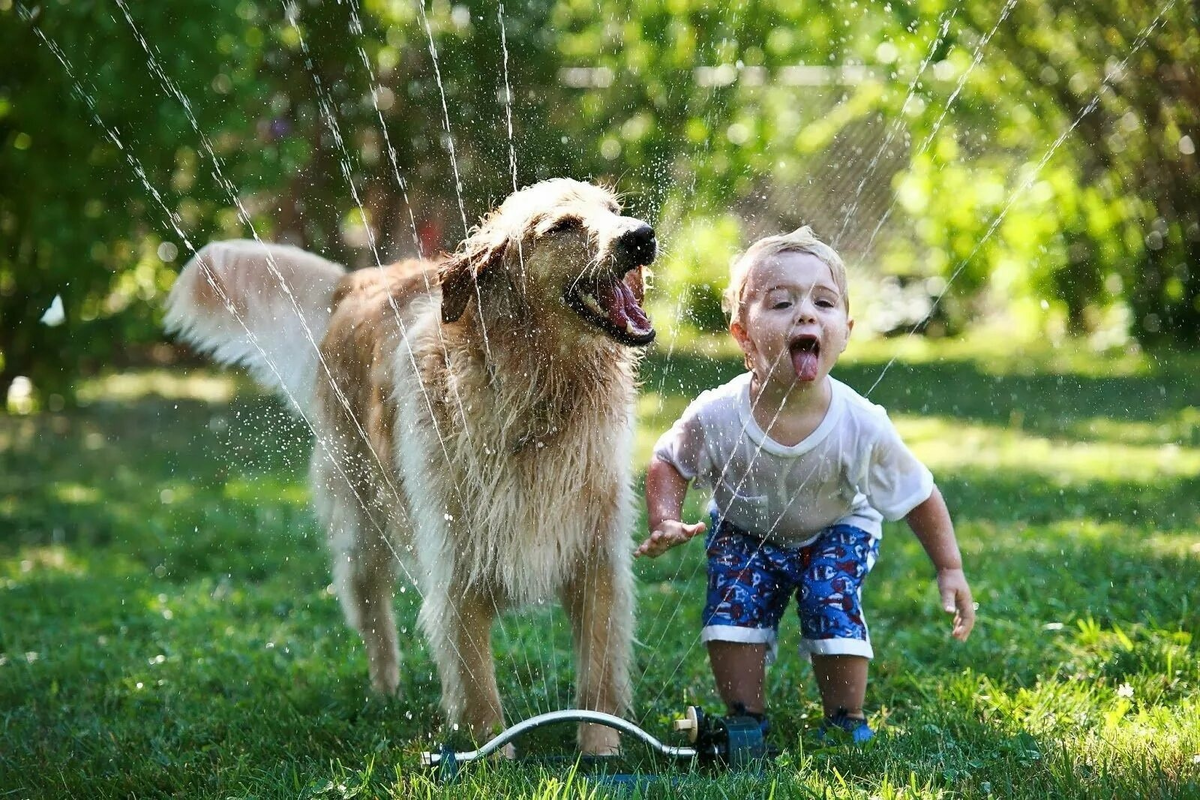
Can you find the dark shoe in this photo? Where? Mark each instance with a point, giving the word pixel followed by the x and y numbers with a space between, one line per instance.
pixel 842 726
pixel 770 751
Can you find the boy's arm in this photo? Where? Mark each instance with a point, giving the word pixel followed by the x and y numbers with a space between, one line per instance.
pixel 665 490
pixel 930 522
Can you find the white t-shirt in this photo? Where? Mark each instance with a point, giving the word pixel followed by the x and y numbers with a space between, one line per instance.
pixel 853 469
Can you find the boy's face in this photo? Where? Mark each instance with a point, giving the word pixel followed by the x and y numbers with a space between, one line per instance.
pixel 795 323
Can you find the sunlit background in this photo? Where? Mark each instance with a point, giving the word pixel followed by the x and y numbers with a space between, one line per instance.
pixel 1014 186
pixel 1031 164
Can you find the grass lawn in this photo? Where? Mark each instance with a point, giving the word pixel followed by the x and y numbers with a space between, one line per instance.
pixel 167 627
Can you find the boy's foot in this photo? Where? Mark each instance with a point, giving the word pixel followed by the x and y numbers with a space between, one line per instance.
pixel 841 726
pixel 770 751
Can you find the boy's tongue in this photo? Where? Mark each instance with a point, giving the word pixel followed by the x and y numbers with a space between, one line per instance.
pixel 804 361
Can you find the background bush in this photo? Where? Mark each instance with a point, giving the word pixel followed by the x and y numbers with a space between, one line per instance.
pixel 1036 160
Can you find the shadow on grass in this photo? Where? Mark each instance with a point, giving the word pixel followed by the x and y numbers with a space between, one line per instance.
pixel 173 632
pixel 1065 619
pixel 183 486
pixel 1033 593
pixel 1169 504
pixel 1052 405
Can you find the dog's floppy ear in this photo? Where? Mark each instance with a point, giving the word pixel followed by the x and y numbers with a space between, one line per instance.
pixel 459 276
pixel 456 287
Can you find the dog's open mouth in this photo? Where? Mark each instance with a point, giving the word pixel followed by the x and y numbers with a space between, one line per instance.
pixel 608 303
pixel 806 356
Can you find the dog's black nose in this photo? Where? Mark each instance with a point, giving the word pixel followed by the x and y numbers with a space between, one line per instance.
pixel 639 244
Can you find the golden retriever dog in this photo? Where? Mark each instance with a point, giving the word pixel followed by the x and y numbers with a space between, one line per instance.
pixel 473 422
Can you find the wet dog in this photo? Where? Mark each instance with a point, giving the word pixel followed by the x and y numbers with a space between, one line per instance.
pixel 473 421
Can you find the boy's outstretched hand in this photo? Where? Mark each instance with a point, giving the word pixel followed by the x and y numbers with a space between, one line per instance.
pixel 956 599
pixel 669 533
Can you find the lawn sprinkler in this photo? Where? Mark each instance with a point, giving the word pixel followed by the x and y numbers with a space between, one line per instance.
pixel 732 742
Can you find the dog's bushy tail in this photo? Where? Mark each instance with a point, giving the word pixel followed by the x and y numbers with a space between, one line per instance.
pixel 261 306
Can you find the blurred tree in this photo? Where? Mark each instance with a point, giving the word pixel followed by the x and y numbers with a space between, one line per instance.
pixel 1126 75
pixel 370 129
pixel 101 167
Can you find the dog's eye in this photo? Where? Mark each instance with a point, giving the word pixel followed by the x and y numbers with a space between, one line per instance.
pixel 564 224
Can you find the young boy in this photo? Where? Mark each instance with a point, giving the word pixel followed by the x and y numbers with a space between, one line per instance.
pixel 802 471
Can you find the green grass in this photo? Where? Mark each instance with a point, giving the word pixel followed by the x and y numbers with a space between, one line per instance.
pixel 166 625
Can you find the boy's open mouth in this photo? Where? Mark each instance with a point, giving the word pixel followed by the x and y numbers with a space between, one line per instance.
pixel 806 351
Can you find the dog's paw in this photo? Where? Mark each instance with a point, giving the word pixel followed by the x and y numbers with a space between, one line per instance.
pixel 598 740
pixel 385 680
pixel 506 753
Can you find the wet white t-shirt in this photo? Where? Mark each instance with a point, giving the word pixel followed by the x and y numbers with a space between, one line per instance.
pixel 853 469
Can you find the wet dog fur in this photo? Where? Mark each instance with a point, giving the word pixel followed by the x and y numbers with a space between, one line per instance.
pixel 473 420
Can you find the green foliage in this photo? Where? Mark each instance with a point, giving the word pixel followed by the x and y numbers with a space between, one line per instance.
pixel 76 219
pixel 1038 158
pixel 692 273
pixel 1116 80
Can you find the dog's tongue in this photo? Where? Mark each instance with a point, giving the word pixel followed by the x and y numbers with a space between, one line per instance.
pixel 622 307
pixel 804 361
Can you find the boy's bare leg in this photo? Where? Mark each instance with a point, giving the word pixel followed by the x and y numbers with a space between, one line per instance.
pixel 842 681
pixel 739 669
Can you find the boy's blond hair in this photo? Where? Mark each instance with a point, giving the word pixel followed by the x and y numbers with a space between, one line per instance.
pixel 801 240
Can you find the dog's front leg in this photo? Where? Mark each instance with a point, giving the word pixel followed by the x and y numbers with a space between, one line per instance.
pixel 599 601
pixel 459 626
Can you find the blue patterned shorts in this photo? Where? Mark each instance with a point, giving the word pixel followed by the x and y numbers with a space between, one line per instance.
pixel 750 581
